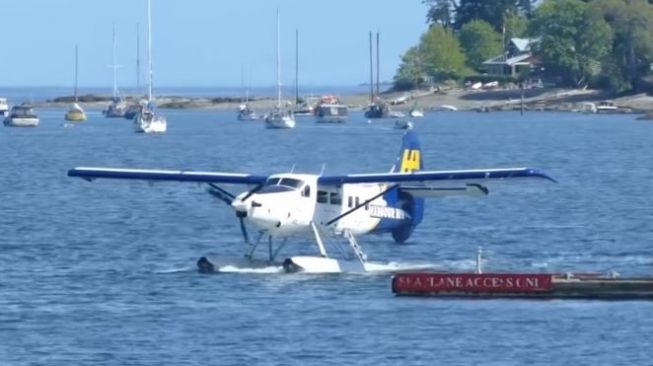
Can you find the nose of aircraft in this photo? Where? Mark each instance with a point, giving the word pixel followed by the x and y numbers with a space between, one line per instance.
pixel 241 207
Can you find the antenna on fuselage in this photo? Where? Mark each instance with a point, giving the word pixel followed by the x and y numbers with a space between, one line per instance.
pixel 322 170
pixel 292 170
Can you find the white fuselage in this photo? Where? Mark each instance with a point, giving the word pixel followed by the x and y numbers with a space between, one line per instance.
pixel 288 203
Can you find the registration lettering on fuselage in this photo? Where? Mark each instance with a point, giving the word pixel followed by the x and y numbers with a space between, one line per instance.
pixel 386 212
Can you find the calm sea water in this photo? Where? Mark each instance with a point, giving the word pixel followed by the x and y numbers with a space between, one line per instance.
pixel 103 273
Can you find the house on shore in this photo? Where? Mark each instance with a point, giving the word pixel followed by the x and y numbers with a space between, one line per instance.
pixel 517 60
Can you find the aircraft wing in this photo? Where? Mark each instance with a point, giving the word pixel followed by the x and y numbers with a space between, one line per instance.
pixel 437 177
pixel 91 173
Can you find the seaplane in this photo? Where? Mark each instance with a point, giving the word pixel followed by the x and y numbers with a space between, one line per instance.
pixel 294 205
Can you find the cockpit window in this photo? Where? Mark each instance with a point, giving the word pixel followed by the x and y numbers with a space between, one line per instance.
pixel 291 182
pixel 272 181
pixel 281 185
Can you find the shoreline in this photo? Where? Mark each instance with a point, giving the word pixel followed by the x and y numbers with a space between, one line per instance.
pixel 542 99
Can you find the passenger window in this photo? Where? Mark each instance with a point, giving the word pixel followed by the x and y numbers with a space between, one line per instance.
pixel 357 202
pixel 322 197
pixel 307 191
pixel 335 198
pixel 349 201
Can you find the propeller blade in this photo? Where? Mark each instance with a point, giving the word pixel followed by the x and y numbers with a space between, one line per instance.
pixel 250 193
pixel 337 218
pixel 243 229
pixel 220 193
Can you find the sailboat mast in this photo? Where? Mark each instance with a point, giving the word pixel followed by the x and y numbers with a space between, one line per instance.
pixel 138 58
pixel 377 63
pixel 278 64
pixel 149 50
pixel 114 65
pixel 296 66
pixel 371 73
pixel 76 71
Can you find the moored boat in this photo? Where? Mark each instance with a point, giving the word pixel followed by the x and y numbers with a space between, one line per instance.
pixel 118 107
pixel 606 107
pixel 279 118
pixel 330 110
pixel 76 112
pixel 22 116
pixel 147 120
pixel 4 107
pixel 403 125
pixel 245 113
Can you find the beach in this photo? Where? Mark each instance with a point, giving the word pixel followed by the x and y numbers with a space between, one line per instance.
pixel 535 99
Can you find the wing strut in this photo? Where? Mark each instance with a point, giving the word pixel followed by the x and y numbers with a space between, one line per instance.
pixel 337 218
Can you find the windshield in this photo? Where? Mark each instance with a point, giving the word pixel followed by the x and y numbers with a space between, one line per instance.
pixel 281 185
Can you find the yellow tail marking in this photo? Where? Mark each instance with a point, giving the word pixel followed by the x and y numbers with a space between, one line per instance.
pixel 410 161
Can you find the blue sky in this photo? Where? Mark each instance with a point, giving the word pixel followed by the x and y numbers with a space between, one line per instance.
pixel 204 42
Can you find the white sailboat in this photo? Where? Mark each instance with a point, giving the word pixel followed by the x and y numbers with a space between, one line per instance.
pixel 117 107
pixel 279 117
pixel 76 112
pixel 146 120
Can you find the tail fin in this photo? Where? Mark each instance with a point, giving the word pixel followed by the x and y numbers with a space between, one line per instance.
pixel 410 155
pixel 409 160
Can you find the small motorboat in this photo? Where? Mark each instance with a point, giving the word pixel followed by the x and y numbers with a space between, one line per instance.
pixel 401 124
pixel 22 116
pixel 4 107
pixel 416 113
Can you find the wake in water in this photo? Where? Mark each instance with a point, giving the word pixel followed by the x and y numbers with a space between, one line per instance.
pixel 215 264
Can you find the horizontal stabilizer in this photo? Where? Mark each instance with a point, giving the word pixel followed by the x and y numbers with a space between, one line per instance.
pixel 473 190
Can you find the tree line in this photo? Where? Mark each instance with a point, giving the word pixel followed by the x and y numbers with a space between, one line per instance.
pixel 606 44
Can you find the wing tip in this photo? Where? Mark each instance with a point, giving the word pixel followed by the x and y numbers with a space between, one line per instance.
pixel 540 173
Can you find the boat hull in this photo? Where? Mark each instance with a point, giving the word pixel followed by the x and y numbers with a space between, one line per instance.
pixel 150 124
pixel 75 116
pixel 21 122
pixel 284 122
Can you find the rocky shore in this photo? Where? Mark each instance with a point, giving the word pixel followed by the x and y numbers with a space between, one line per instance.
pixel 537 99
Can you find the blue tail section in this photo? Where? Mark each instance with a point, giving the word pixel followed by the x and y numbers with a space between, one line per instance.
pixel 409 160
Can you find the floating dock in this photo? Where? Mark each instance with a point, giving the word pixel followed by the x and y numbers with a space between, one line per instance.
pixel 522 285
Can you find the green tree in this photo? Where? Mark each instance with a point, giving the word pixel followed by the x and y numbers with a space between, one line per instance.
pixel 441 54
pixel 480 42
pixel 516 25
pixel 492 11
pixel 632 50
pixel 440 12
pixel 411 73
pixel 573 39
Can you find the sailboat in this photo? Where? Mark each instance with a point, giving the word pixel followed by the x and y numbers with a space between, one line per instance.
pixel 302 108
pixel 76 112
pixel 117 107
pixel 147 121
pixel 245 113
pixel 279 118
pixel 377 107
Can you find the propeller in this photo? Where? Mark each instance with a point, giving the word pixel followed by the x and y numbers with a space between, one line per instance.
pixel 228 198
pixel 220 193
pixel 243 230
pixel 339 217
pixel 252 191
